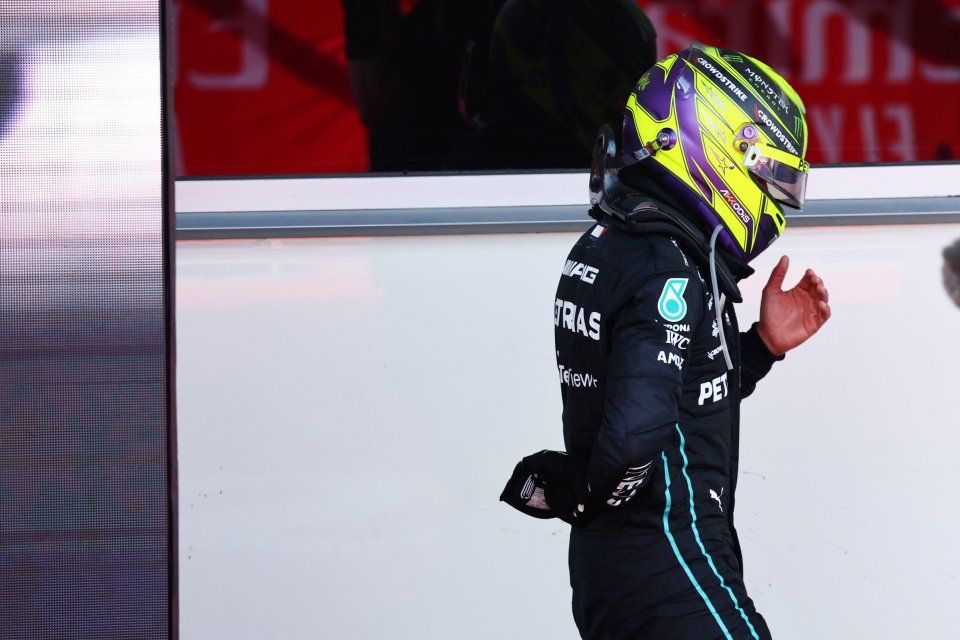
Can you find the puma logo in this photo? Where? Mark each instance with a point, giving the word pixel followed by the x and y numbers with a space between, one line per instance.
pixel 715 496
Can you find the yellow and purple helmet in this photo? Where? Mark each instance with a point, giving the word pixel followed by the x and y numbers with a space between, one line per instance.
pixel 727 136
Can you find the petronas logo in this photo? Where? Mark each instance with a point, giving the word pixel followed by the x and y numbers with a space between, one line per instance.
pixel 671 305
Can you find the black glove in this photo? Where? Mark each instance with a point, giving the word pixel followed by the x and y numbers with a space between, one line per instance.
pixel 550 484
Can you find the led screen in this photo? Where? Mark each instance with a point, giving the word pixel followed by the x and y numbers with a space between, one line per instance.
pixel 84 337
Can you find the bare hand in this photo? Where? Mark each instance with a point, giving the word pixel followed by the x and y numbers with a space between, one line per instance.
pixel 788 318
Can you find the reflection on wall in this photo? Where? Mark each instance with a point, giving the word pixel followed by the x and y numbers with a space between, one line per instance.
pixel 83 442
pixel 264 87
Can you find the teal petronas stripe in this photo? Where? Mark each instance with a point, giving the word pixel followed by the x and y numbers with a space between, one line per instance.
pixel 696 535
pixel 676 550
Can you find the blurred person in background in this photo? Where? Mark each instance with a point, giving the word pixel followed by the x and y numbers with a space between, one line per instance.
pixel 10 88
pixel 554 72
pixel 951 271
pixel 492 84
pixel 651 359
pixel 404 70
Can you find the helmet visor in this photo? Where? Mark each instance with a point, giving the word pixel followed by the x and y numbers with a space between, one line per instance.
pixel 786 183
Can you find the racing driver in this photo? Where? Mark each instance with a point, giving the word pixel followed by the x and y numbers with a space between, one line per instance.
pixel 652 362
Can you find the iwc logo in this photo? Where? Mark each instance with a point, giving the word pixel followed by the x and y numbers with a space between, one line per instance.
pixel 671 305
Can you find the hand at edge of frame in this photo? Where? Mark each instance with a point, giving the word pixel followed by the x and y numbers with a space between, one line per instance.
pixel 789 318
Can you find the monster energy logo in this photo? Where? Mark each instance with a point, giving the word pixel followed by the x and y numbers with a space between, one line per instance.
pixel 732 57
pixel 644 81
pixel 760 82
pixel 798 126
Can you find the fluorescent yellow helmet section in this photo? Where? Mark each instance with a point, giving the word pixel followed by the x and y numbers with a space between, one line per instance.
pixel 730 91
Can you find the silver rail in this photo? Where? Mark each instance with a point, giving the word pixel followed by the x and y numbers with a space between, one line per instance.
pixel 519 219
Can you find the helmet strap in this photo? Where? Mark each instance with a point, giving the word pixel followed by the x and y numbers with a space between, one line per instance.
pixel 665 140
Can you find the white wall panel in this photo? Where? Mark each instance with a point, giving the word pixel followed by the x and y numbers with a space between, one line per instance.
pixel 517 190
pixel 349 410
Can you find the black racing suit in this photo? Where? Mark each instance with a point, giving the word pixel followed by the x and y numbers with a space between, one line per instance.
pixel 647 397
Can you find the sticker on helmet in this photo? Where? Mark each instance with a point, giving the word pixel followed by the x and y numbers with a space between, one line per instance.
pixel 671 305
pixel 798 126
pixel 643 81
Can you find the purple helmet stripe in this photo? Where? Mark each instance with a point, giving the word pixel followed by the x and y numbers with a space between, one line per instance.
pixel 702 170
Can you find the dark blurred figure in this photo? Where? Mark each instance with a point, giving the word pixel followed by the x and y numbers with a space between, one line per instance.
pixel 405 71
pixel 951 271
pixel 10 88
pixel 557 71
pixel 492 84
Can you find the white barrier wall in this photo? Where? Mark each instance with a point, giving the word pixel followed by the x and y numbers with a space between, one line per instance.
pixel 349 410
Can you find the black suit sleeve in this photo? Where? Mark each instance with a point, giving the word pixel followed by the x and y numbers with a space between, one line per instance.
pixel 756 360
pixel 642 394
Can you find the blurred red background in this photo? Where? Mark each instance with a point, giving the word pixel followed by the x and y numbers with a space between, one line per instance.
pixel 261 86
